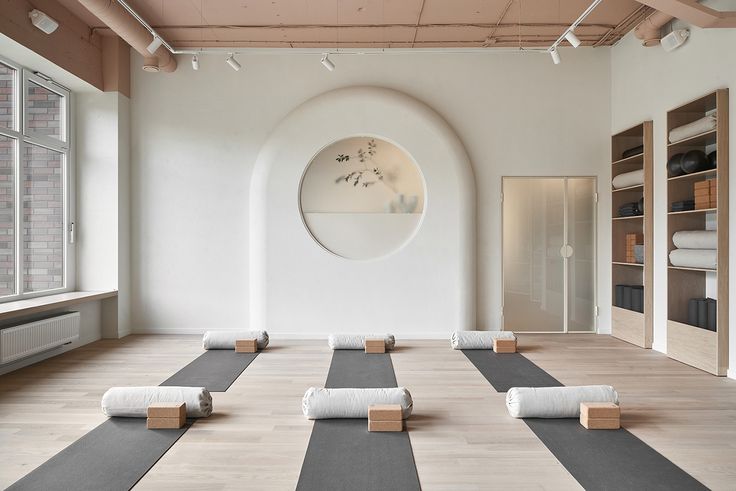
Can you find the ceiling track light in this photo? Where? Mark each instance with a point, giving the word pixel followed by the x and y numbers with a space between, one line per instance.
pixel 327 63
pixel 233 62
pixel 555 56
pixel 572 39
pixel 195 62
pixel 155 44
pixel 569 33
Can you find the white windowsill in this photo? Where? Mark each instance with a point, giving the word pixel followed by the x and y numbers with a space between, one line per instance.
pixel 35 305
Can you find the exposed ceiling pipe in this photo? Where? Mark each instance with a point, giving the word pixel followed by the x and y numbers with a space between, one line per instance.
pixel 650 29
pixel 117 18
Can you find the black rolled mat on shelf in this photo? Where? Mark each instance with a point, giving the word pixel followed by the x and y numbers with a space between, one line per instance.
pixel 215 370
pixel 342 453
pixel 597 459
pixel 119 452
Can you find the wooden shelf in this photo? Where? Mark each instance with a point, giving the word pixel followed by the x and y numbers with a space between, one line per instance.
pixel 691 212
pixel 700 348
pixel 630 188
pixel 622 263
pixel 630 326
pixel 682 268
pixel 702 173
pixel 628 160
pixel 31 306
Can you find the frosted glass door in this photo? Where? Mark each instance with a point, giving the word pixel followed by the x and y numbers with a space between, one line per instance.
pixel 549 254
pixel 533 267
pixel 581 264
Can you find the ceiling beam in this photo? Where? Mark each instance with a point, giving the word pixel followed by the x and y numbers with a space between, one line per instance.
pixel 692 12
pixel 71 47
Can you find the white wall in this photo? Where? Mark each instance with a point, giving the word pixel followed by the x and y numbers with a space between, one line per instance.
pixel 196 135
pixel 645 84
pixel 102 147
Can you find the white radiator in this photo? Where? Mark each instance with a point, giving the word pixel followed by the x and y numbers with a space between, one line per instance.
pixel 34 337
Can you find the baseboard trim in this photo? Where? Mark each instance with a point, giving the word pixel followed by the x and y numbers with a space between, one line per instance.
pixel 288 334
pixel 731 373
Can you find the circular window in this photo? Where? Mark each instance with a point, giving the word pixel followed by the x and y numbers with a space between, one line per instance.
pixel 362 197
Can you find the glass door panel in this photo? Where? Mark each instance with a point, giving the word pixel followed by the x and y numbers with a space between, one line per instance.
pixel 581 227
pixel 533 267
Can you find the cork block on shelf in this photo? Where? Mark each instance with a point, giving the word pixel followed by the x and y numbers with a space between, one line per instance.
pixel 385 425
pixel 504 345
pixel 246 345
pixel 375 346
pixel 384 412
pixel 167 410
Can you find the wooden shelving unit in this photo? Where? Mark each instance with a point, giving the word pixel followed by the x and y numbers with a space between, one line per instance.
pixel 698 347
pixel 629 325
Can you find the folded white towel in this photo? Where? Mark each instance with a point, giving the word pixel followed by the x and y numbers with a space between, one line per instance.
pixel 555 402
pixel 694 258
pixel 627 179
pixel 477 339
pixel 133 402
pixel 226 339
pixel 352 403
pixel 695 239
pixel 357 341
pixel 697 127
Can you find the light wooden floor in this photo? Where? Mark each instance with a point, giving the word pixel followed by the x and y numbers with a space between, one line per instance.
pixel 461 434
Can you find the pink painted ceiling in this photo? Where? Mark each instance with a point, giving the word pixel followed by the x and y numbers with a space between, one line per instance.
pixel 378 23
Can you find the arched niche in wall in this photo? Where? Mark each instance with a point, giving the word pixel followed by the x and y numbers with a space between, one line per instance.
pixel 362 197
pixel 424 285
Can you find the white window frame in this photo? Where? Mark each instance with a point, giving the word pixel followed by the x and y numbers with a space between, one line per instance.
pixel 23 139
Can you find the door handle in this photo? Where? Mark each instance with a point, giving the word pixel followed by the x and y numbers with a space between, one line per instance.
pixel 566 251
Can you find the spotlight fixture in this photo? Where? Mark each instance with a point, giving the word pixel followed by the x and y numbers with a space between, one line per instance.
pixel 555 56
pixel 327 63
pixel 233 62
pixel 572 39
pixel 155 44
pixel 195 62
pixel 42 21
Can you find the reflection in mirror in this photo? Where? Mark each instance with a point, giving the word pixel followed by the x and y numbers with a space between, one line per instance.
pixel 362 197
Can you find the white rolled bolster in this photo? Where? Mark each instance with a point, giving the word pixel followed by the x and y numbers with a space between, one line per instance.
pixel 226 339
pixel 477 339
pixel 133 402
pixel 321 403
pixel 555 402
pixel 357 341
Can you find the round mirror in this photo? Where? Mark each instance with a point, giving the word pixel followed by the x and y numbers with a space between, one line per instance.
pixel 362 197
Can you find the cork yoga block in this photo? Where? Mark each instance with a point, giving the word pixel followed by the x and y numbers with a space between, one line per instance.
pixel 246 345
pixel 600 415
pixel 167 410
pixel 384 412
pixel 504 345
pixel 164 423
pixel 375 346
pixel 385 425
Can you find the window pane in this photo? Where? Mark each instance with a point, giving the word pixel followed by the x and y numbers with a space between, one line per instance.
pixel 43 112
pixel 7 100
pixel 7 216
pixel 43 212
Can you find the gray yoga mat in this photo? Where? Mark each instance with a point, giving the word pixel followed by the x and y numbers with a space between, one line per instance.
pixel 113 456
pixel 118 453
pixel 215 370
pixel 597 459
pixel 342 453
pixel 506 370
